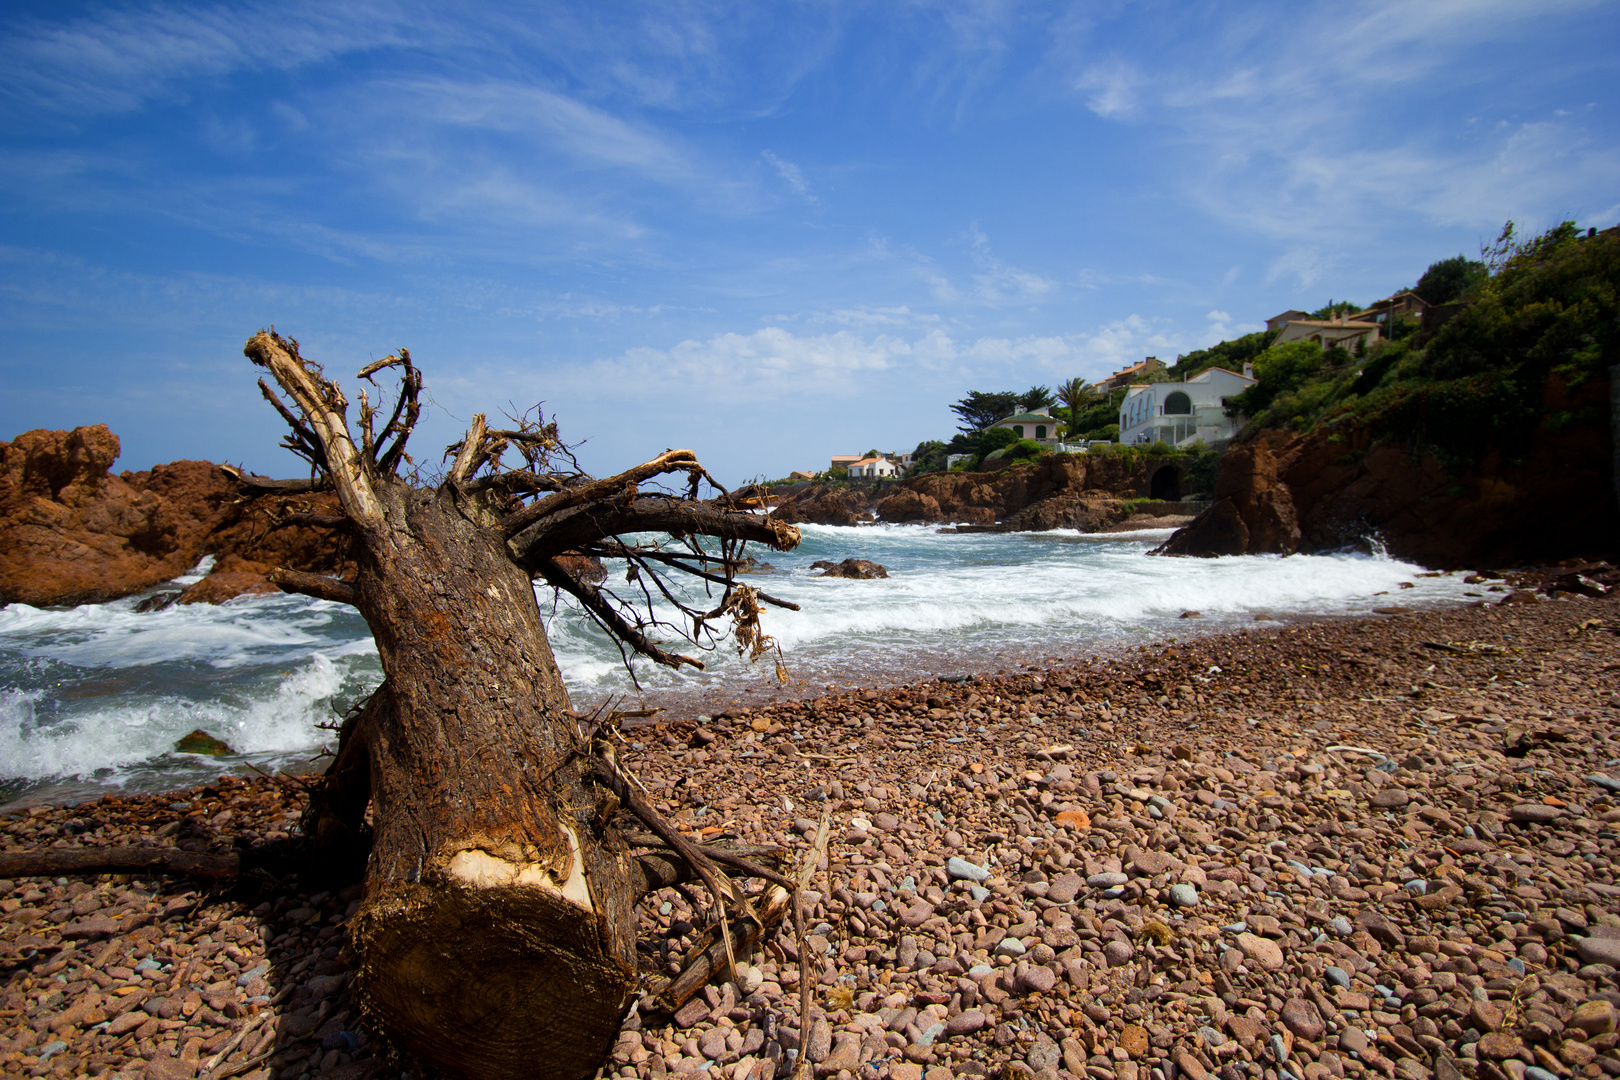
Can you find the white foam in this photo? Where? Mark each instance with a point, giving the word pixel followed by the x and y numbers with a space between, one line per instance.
pixel 101 691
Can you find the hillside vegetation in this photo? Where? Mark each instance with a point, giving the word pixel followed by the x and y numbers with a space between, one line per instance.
pixel 1532 329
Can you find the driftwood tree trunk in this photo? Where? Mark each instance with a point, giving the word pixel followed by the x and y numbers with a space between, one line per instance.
pixel 497 933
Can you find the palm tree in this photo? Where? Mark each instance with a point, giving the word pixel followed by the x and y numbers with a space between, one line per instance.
pixel 1075 395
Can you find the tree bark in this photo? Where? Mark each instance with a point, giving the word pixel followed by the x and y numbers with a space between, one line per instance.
pixel 495 912
pixel 497 933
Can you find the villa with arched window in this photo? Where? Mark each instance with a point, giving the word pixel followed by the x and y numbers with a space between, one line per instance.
pixel 1179 413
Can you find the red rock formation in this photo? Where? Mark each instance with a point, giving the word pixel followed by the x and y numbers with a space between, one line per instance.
pixel 1556 502
pixel 72 532
pixel 1058 491
pixel 1341 488
pixel 1253 513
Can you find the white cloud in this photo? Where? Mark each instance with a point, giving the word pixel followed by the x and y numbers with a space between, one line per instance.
pixel 1306 265
pixel 1111 89
pixel 999 283
pixel 1284 125
pixel 775 364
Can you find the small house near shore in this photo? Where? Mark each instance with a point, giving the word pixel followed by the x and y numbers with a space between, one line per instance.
pixel 872 468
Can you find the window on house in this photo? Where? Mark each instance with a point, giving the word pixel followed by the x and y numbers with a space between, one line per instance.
pixel 1040 431
pixel 1178 404
pixel 1018 430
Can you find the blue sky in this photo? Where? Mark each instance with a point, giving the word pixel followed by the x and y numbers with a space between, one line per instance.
pixel 768 232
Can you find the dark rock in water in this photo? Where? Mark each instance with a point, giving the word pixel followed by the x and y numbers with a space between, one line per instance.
pixel 157 602
pixel 850 568
pixel 200 742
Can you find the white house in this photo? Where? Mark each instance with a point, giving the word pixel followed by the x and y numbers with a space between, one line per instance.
pixel 1181 412
pixel 1038 424
pixel 872 468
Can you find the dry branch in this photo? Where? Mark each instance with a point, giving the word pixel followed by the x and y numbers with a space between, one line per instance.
pixel 322 405
pixel 667 462
pixel 319 586
pixel 275 487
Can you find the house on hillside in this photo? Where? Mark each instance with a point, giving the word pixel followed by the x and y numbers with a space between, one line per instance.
pixel 871 468
pixel 1180 413
pixel 1344 332
pixel 842 462
pixel 1037 424
pixel 1276 322
pixel 1133 374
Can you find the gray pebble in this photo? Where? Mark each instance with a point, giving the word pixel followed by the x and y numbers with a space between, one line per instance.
pixel 962 870
pixel 1341 926
pixel 1010 946
pixel 1336 976
pixel 979 893
pixel 1417 887
pixel 1279 1049
pixel 1183 896
pixel 1106 881
pixel 1536 1072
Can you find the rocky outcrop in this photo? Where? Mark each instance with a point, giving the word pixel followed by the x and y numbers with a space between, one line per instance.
pixel 73 532
pixel 1253 512
pixel 1059 491
pixel 1343 487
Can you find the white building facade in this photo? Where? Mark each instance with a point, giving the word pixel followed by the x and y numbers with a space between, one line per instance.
pixel 1180 413
pixel 872 468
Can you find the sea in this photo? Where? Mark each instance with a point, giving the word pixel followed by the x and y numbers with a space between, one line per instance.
pixel 95 698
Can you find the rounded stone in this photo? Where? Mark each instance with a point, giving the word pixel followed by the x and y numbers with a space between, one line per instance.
pixel 1183 896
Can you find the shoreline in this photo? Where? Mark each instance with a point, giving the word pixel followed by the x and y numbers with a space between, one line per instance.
pixel 1093 795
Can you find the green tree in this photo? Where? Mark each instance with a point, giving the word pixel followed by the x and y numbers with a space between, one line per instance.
pixel 1036 397
pixel 1334 308
pixel 1231 355
pixel 929 457
pixel 980 409
pixel 1451 279
pixel 1278 370
pixel 1075 394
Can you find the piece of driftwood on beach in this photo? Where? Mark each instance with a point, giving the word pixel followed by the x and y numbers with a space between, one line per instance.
pixel 499 910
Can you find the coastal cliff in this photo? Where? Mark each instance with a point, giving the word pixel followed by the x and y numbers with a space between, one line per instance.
pixel 1089 492
pixel 73 532
pixel 1488 442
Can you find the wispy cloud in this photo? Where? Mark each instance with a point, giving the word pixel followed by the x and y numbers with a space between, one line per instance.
pixel 119 59
pixel 793 176
pixel 1110 88
pixel 999 283
pixel 1284 125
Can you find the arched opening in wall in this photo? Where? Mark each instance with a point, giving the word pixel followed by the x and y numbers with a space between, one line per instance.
pixel 1178 404
pixel 1166 484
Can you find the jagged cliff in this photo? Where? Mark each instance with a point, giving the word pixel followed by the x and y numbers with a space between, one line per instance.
pixel 73 532
pixel 1353 486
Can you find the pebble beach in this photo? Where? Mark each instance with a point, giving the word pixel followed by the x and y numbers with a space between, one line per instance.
pixel 1379 847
